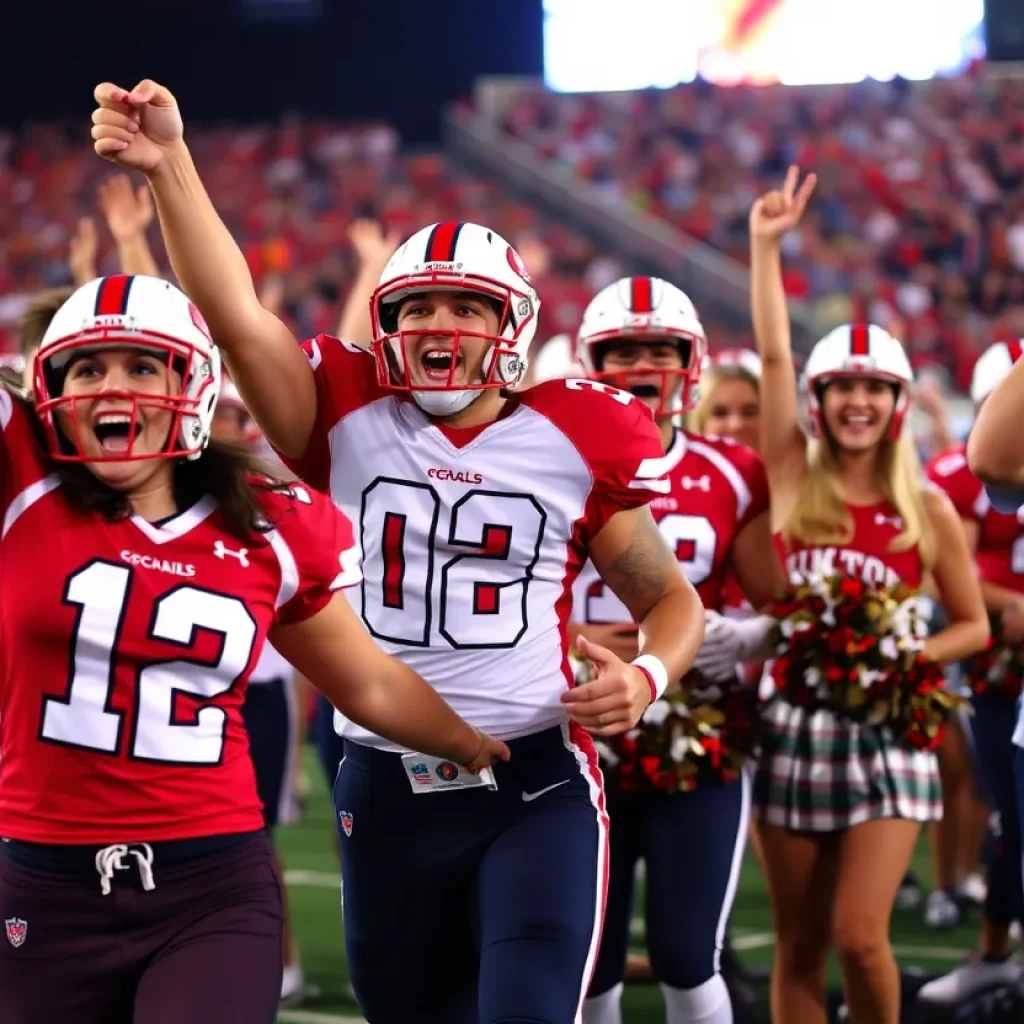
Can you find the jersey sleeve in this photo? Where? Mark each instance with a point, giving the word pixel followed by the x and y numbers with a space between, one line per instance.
pixel 324 556
pixel 346 378
pixel 619 440
pixel 22 460
pixel 950 473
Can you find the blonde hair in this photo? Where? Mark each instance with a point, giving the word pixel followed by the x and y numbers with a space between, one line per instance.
pixel 821 516
pixel 699 415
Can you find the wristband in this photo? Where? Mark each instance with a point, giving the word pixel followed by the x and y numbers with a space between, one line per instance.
pixel 656 673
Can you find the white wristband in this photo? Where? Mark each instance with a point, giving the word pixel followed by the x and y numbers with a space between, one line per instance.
pixel 657 674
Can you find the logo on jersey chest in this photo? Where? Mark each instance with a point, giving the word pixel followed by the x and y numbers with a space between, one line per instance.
pixel 17 931
pixel 829 561
pixel 700 483
pixel 660 504
pixel 458 476
pixel 159 564
pixel 222 552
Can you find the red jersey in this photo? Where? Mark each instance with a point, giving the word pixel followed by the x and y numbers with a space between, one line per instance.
pixel 1000 552
pixel 716 487
pixel 866 557
pixel 125 647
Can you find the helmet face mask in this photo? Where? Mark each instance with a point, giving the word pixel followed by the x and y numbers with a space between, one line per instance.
pixel 453 259
pixel 154 318
pixel 645 312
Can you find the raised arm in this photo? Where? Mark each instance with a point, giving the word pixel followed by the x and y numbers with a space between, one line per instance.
pixel 142 129
pixel 336 654
pixel 783 444
pixel 129 212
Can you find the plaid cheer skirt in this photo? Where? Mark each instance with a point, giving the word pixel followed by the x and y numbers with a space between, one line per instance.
pixel 820 773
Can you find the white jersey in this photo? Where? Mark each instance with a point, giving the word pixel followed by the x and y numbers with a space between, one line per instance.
pixel 471 538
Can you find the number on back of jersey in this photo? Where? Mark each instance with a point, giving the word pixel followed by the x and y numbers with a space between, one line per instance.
pixel 579 383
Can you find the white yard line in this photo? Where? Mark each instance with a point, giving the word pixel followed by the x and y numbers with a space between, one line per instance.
pixel 312 1017
pixel 314 879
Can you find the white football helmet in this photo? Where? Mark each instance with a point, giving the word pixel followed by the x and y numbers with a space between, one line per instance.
pixel 992 367
pixel 136 311
pixel 454 257
pixel 642 309
pixel 858 350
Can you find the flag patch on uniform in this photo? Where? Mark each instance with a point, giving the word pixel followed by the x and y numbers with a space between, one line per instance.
pixel 17 930
pixel 421 774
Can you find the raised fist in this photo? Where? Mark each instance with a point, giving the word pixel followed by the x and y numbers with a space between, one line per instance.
pixel 135 128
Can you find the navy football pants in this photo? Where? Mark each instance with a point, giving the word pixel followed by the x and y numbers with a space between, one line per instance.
pixel 992 723
pixel 692 844
pixel 474 906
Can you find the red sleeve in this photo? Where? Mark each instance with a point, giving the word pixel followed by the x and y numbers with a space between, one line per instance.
pixel 630 466
pixel 323 547
pixel 22 459
pixel 616 435
pixel 346 379
pixel 949 472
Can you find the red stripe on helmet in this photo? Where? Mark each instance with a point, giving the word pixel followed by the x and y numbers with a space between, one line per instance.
pixel 641 298
pixel 859 340
pixel 112 296
pixel 441 244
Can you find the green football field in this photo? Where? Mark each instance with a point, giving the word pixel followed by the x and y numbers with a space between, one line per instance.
pixel 311 873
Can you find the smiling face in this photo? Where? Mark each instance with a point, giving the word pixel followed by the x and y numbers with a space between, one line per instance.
pixel 857 411
pixel 438 315
pixel 734 411
pixel 105 420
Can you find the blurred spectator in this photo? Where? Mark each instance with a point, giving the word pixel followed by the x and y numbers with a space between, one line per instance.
pixel 918 222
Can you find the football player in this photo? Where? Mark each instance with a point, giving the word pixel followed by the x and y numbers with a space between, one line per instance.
pixel 475 509
pixel 997 540
pixel 643 335
pixel 141 571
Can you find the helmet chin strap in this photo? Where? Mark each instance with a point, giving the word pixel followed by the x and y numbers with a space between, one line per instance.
pixel 445 403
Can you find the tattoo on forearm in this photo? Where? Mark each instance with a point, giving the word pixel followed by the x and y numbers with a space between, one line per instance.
pixel 640 575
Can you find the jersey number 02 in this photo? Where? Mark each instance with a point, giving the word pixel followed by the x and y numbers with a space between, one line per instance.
pixel 84 718
pixel 481 595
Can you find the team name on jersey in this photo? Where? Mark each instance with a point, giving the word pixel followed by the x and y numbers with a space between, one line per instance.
pixel 829 561
pixel 663 504
pixel 158 564
pixel 458 476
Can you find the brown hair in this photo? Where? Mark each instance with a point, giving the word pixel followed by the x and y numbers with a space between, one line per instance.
pixel 37 316
pixel 230 475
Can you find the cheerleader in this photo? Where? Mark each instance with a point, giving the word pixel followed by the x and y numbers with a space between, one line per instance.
pixel 840 805
pixel 643 335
